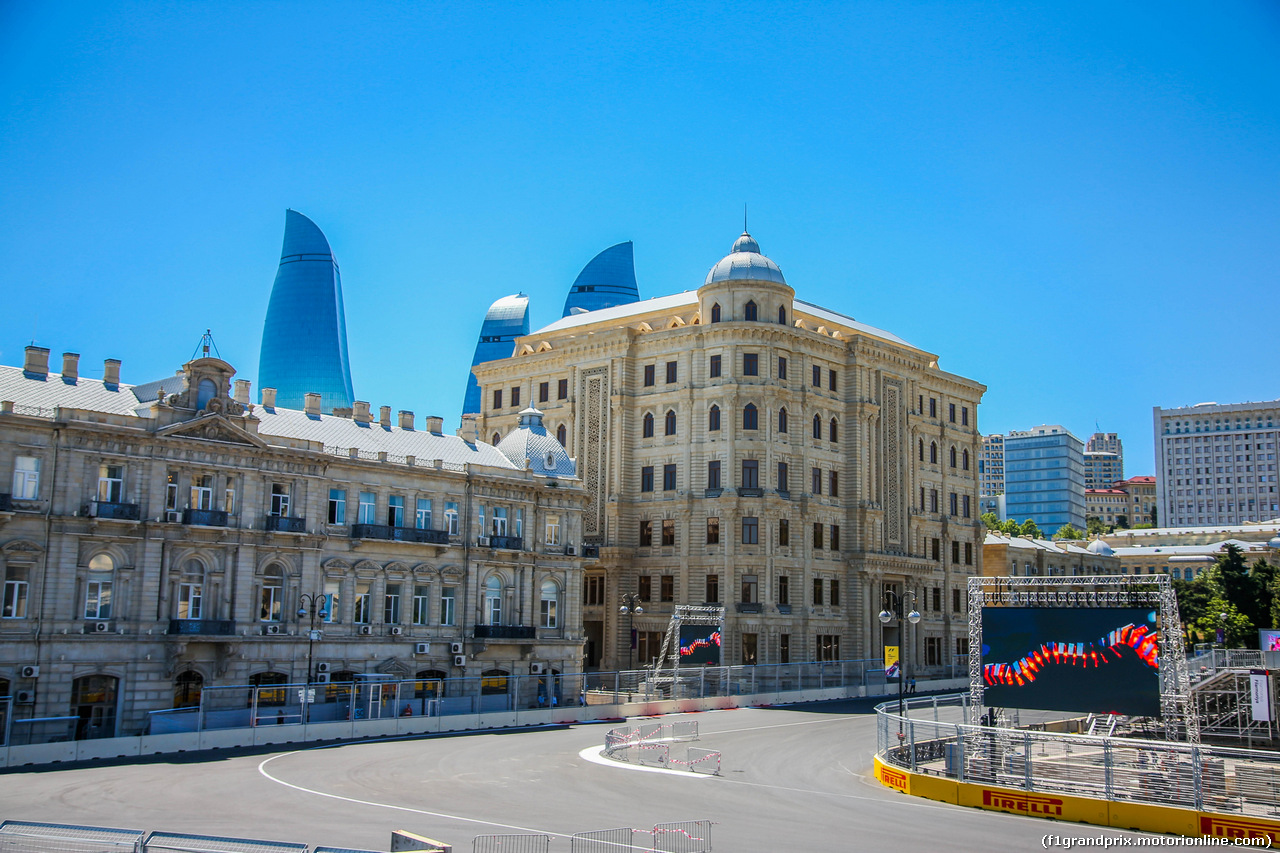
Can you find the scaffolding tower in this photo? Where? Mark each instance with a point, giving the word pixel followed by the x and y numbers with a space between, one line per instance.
pixel 669 658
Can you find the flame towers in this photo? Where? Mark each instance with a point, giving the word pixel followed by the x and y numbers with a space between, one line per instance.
pixel 304 340
pixel 607 280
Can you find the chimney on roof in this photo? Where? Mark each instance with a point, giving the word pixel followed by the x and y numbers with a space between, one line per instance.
pixel 70 366
pixel 242 392
pixel 361 414
pixel 406 419
pixel 36 363
pixel 111 372
pixel 312 403
pixel 470 429
pixel 384 417
pixel 268 398
pixel 435 425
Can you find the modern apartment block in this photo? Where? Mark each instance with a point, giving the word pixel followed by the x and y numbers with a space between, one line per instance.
pixel 1044 477
pixel 743 447
pixel 1216 464
pixel 991 465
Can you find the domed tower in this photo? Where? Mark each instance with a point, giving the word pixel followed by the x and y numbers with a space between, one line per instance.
pixel 744 285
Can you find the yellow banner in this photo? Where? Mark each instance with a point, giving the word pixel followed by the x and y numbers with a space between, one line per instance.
pixel 891 662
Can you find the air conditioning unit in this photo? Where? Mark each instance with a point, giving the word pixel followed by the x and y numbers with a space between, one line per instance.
pixel 396 630
pixel 366 629
pixel 30 671
pixel 24 697
pixel 322 667
pixel 271 629
pixel 484 541
pixel 570 550
pixel 459 660
pixel 537 669
pixel 172 516
pixel 102 627
pixel 322 678
pixel 455 648
pixel 422 648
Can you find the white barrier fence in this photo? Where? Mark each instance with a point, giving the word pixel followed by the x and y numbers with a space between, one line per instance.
pixel 652 745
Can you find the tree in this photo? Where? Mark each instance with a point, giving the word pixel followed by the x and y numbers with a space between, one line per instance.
pixel 1238 630
pixel 991 520
pixel 1094 526
pixel 1030 528
pixel 1193 602
pixel 1009 527
pixel 1154 520
pixel 1122 521
pixel 1069 531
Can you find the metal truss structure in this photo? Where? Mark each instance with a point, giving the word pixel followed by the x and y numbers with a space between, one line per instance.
pixel 1181 722
pixel 685 614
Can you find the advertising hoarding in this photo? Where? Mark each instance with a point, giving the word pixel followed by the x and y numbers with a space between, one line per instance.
pixel 699 645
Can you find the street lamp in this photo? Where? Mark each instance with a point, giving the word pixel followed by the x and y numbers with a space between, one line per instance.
pixel 894 604
pixel 631 606
pixel 316 606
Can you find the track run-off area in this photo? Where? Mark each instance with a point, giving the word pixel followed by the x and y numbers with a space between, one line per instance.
pixel 793 778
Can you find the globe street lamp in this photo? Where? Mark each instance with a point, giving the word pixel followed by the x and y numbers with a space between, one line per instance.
pixel 316 606
pixel 893 606
pixel 631 606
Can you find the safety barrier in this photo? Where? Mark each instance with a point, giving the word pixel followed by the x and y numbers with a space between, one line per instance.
pixel 524 843
pixel 1189 789
pixel 692 836
pixel 652 743
pixel 18 836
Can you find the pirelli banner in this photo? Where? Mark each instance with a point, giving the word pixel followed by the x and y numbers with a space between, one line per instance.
pixel 1120 815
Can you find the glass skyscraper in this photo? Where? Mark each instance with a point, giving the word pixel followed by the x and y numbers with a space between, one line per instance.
pixel 607 280
pixel 506 320
pixel 304 340
pixel 1044 477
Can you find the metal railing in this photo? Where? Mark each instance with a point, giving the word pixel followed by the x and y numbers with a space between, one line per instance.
pixel 205 517
pixel 400 534
pixel 286 524
pixel 112 510
pixel 206 627
pixel 19 836
pixel 931 737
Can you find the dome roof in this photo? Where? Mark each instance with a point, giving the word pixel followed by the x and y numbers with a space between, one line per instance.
pixel 1102 549
pixel 530 444
pixel 1274 542
pixel 745 263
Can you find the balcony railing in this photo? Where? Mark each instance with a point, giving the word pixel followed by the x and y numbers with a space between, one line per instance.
pixel 113 509
pixel 712 493
pixel 592 551
pixel 286 524
pixel 205 517
pixel 513 543
pixel 206 627
pixel 785 494
pixel 6 502
pixel 750 492
pixel 399 534
pixel 750 607
pixel 784 609
pixel 506 632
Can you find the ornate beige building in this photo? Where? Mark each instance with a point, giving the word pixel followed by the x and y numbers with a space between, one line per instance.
pixel 160 539
pixel 743 447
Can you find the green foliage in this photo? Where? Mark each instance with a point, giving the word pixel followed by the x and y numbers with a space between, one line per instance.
pixel 1250 596
pixel 1030 528
pixel 1010 528
pixel 1069 531
pixel 1155 519
pixel 1122 521
pixel 1142 527
pixel 1094 526
pixel 991 520
pixel 1239 632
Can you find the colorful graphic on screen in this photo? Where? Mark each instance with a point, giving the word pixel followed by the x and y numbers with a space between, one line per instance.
pixel 699 644
pixel 1269 640
pixel 1099 660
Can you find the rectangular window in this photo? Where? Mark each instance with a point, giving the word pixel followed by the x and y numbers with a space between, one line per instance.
pixel 817 376
pixel 562 389
pixel 828 647
pixel 835 592
pixel 713 474
pixel 499 521
pixel 272 600
pixel 952 503
pixel 937 599
pixel 782 367
pixel 831 380
pixel 646 533
pixel 933 651
pixel 713 531
pixel 715 366
pixel 833 484
pixel 964 415
pixel 933 407
pixel 395 511
pixel 332 600
pixel 97 598
pixel 784 648
pixel 713 589
pixel 26 478
pixel 544 392
pixel 337 506
pixel 111 483
pixel 750 474
pixel 15 595
pixel 421 604
pixel 201 495
pixel 279 500
pixel 548 607
pixel 962 646
pixel 451 517
pixel 363 613
pixel 515 396
pixel 171 492
pixel 553 530
pixel 750 364
pixel 671 372
pixel 749 651
pixel 936 549
pixel 835 537
pixel 784 589
pixel 817 535
pixel 783 486
pixel 645 588
pixel 422 516
pixel 784 531
pixel 668 531
pixel 951 412
pixel 448 605
pixel 817 590
pixel 816 481
pixel 955 553
pixel 648 375
pixel 646 478
pixel 594 593
pixel 750 589
pixel 391 605
pixel 955 600
pixel 190 600
pixel 750 530
pixel 667 588
pixel 229 499
pixel 497 398
pixel 668 478
pixel 968 553
pixel 933 500
pixel 964 506
pixel 367 504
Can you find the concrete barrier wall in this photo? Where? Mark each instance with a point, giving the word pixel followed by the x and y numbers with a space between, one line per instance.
pixel 270 734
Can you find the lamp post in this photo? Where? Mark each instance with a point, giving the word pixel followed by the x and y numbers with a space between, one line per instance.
pixel 631 606
pixel 314 605
pixel 893 607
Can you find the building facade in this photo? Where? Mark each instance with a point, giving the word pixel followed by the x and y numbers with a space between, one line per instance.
pixel 742 447
pixel 1142 499
pixel 1021 556
pixel 1216 464
pixel 506 320
pixel 607 280
pixel 991 466
pixel 1110 506
pixel 1105 442
pixel 1102 468
pixel 161 539
pixel 1044 477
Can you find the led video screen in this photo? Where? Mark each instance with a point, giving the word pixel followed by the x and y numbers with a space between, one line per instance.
pixel 1269 640
pixel 699 645
pixel 1099 660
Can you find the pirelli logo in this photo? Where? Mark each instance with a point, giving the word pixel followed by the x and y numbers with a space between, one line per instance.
pixel 1213 826
pixel 1029 804
pixel 893 779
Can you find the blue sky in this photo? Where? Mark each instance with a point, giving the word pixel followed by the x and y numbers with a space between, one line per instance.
pixel 1076 204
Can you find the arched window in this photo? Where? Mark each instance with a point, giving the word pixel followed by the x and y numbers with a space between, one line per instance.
pixel 921 449
pixel 782 315
pixel 933 452
pixel 98 587
pixel 562 436
pixel 817 426
pixel 750 417
pixel 646 430
pixel 834 430
pixel 964 460
pixel 187 688
pixel 671 423
pixel 190 601
pixel 750 310
pixel 548 605
pixel 496 438
pixel 493 600
pixel 952 459
pixel 713 419
pixel 206 392
pixel 715 313
pixel 782 419
pixel 272 602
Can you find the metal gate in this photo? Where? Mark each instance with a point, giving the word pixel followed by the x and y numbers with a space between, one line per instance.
pixel 180 842
pixel 511 844
pixel 20 836
pixel 689 836
pixel 604 841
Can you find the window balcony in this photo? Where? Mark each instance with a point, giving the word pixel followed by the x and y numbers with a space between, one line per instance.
pixel 750 607
pixel 511 543
pixel 712 493
pixel 205 517
pixel 6 502
pixel 591 551
pixel 112 509
pixel 399 534
pixel 203 627
pixel 784 609
pixel 505 632
pixel 750 492
pixel 784 494
pixel 286 524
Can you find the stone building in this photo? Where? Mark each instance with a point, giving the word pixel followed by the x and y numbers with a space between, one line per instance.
pixel 1022 556
pixel 742 447
pixel 165 538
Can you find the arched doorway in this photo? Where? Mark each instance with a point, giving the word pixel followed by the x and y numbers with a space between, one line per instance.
pixel 93 702
pixel 187 688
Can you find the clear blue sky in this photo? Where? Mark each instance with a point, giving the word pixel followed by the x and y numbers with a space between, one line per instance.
pixel 1076 204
